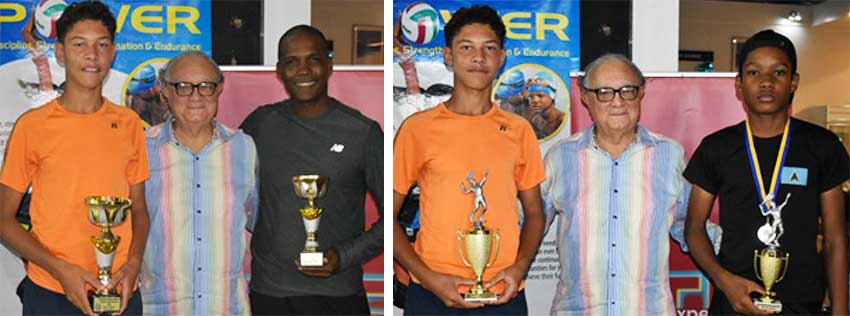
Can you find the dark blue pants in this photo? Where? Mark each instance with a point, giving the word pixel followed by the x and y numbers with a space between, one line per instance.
pixel 420 301
pixel 721 306
pixel 309 305
pixel 37 300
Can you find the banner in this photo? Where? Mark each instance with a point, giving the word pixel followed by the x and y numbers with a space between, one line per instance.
pixel 148 33
pixel 542 47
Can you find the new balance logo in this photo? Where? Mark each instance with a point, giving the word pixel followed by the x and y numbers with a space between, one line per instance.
pixel 337 148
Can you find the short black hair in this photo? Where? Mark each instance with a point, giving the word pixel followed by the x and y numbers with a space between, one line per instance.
pixel 85 10
pixel 768 38
pixel 302 29
pixel 482 14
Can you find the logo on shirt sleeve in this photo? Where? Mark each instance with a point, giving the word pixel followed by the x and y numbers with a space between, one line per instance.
pixel 794 176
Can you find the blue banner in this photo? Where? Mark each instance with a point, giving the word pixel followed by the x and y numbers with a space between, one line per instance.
pixel 148 33
pixel 542 48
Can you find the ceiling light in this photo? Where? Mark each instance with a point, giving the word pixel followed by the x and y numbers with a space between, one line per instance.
pixel 794 16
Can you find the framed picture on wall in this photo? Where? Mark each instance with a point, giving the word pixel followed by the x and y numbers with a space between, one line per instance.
pixel 737 43
pixel 367 45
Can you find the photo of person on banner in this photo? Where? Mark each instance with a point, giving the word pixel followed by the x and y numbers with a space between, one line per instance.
pixel 143 92
pixel 44 89
pixel 500 161
pixel 775 176
pixel 412 97
pixel 536 98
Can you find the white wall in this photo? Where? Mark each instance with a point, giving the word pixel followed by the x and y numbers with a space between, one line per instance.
pixel 11 273
pixel 279 16
pixel 655 35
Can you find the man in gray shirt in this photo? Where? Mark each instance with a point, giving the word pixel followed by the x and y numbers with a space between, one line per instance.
pixel 312 133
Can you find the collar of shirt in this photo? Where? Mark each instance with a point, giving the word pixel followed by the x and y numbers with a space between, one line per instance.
pixel 166 133
pixel 587 138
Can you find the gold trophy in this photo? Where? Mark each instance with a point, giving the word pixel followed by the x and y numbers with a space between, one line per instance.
pixel 770 263
pixel 478 242
pixel 310 187
pixel 106 211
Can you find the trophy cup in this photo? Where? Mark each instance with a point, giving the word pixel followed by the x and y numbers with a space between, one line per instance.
pixel 770 263
pixel 106 211
pixel 478 242
pixel 310 187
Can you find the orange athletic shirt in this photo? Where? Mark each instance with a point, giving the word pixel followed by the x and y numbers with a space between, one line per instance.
pixel 68 156
pixel 436 149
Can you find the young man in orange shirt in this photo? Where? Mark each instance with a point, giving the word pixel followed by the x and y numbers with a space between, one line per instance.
pixel 438 149
pixel 77 145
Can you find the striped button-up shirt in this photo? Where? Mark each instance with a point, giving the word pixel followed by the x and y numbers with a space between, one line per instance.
pixel 615 218
pixel 200 206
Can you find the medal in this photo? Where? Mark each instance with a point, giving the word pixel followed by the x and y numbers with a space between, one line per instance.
pixel 769 232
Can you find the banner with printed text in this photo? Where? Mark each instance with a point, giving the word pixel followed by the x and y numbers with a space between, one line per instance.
pixel 542 48
pixel 148 33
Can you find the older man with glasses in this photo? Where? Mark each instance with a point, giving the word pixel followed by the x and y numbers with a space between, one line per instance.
pixel 619 191
pixel 202 196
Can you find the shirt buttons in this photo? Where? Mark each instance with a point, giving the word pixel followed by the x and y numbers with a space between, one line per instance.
pixel 613 245
pixel 199 238
pixel 615 216
pixel 616 163
pixel 199 268
pixel 198 211
pixel 613 275
pixel 199 295
pixel 198 185
pixel 615 191
pixel 197 158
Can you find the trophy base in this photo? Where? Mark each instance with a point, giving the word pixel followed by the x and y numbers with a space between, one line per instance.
pixel 312 259
pixel 775 306
pixel 480 297
pixel 105 303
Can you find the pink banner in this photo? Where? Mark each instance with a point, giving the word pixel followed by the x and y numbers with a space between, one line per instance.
pixel 245 91
pixel 686 110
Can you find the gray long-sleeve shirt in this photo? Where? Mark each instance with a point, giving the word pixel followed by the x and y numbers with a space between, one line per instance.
pixel 342 144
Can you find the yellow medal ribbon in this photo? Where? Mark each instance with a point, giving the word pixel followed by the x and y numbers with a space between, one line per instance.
pixel 756 169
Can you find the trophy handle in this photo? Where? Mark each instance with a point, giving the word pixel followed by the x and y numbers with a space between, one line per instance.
pixel 496 254
pixel 460 248
pixel 756 264
pixel 785 269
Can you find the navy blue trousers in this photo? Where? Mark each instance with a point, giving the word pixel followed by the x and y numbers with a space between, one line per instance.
pixel 37 300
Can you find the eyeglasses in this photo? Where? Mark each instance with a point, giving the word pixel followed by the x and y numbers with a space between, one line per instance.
pixel 606 94
pixel 183 89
